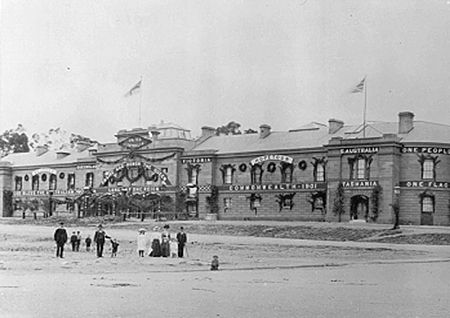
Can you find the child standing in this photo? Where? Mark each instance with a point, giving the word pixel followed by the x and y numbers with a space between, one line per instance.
pixel 88 242
pixel 173 247
pixel 141 242
pixel 115 247
pixel 215 263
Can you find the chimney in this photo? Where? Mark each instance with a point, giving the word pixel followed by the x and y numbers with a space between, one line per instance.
pixel 334 125
pixel 405 122
pixel 93 150
pixel 264 131
pixel 155 135
pixel 40 150
pixel 208 132
pixel 62 153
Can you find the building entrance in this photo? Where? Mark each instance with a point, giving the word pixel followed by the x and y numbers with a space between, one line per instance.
pixel 359 207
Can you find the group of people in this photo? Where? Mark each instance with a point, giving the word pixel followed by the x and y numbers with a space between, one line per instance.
pixel 60 236
pixel 163 246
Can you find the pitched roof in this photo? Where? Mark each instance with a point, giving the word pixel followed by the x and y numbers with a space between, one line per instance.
pixel 316 135
pixel 48 158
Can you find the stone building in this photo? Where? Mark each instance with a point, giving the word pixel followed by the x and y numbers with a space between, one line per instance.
pixel 308 173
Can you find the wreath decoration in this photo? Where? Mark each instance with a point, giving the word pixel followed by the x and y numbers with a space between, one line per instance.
pixel 26 177
pixel 62 175
pixel 302 165
pixel 44 177
pixel 271 167
pixel 242 167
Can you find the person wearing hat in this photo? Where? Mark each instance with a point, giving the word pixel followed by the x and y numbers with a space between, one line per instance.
pixel 181 239
pixel 142 242
pixel 100 238
pixel 60 238
pixel 165 242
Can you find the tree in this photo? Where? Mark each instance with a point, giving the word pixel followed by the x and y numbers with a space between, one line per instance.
pixel 338 204
pixel 13 141
pixel 212 201
pixel 232 128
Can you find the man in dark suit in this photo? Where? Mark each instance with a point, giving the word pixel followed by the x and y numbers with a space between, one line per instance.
pixel 60 238
pixel 100 238
pixel 182 239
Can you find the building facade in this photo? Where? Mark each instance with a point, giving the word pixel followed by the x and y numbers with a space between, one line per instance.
pixel 317 172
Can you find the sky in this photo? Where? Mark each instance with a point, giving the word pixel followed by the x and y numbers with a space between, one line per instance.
pixel 285 63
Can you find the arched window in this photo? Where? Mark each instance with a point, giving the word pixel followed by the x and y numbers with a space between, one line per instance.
pixel 18 183
pixel 193 172
pixel 286 172
pixel 227 173
pixel 52 182
pixel 71 181
pixel 319 169
pixel 428 164
pixel 256 174
pixel 35 182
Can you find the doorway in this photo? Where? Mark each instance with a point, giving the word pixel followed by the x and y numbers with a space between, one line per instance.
pixel 359 207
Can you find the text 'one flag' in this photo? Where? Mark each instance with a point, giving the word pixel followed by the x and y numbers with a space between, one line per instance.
pixel 135 89
pixel 360 87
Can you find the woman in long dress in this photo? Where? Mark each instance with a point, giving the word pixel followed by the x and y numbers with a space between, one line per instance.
pixel 165 242
pixel 141 242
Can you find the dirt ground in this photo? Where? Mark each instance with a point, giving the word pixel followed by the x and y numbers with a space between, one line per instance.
pixel 258 277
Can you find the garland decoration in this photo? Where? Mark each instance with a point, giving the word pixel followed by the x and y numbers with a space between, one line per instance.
pixel 26 177
pixel 134 155
pixel 242 167
pixel 271 167
pixel 44 177
pixel 302 165
pixel 62 175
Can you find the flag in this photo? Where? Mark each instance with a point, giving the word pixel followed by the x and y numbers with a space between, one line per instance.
pixel 360 87
pixel 135 89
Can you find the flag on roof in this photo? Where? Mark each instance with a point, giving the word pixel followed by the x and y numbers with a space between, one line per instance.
pixel 360 87
pixel 135 89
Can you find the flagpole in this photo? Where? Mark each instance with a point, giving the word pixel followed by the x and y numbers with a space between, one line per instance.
pixel 140 104
pixel 365 108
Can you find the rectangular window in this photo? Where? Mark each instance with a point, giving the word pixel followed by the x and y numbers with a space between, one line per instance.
pixel 286 174
pixel 361 169
pixel 18 184
pixel 227 204
pixel 71 181
pixel 228 175
pixel 428 169
pixel 427 205
pixel 320 173
pixel 194 174
pixel 89 180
